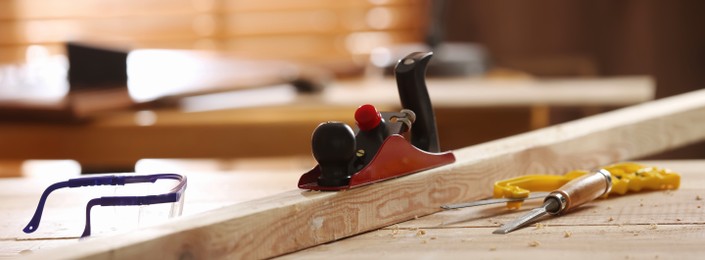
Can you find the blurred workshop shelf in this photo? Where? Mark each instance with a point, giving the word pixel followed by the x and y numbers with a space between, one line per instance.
pixel 468 112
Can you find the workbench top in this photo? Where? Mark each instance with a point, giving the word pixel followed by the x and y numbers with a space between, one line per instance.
pixel 646 225
pixel 212 184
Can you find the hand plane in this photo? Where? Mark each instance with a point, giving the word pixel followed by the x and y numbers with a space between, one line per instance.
pixel 378 148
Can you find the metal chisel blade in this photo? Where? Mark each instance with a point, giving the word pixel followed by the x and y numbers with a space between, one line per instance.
pixel 522 221
pixel 534 195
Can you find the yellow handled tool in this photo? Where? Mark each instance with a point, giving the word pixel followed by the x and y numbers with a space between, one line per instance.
pixel 627 176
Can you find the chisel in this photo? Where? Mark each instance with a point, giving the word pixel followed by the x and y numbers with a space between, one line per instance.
pixel 571 195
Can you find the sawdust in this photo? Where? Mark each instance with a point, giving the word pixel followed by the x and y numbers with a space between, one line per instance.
pixel 541 225
pixel 424 241
pixel 493 221
pixel 678 219
pixel 534 243
pixel 652 226
pixel 421 232
pixel 608 207
pixel 395 230
pixel 610 219
pixel 567 234
pixel 493 248
pixel 697 197
pixel 416 217
pixel 433 238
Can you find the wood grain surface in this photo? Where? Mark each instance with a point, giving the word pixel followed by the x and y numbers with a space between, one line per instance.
pixel 212 184
pixel 297 219
pixel 645 225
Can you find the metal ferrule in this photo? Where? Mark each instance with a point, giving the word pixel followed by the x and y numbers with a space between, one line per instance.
pixel 560 198
pixel 608 179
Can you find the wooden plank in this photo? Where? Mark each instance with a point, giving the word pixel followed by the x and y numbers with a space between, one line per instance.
pixel 635 225
pixel 299 219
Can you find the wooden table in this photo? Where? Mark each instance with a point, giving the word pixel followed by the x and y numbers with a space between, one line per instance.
pixel 295 220
pixel 468 111
pixel 212 184
pixel 646 225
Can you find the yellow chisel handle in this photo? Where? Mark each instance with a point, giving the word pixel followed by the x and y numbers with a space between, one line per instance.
pixel 626 176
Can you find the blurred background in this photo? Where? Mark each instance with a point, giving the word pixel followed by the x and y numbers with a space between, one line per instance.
pixel 522 65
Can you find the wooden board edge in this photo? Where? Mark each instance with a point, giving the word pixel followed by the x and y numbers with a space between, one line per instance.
pixel 299 219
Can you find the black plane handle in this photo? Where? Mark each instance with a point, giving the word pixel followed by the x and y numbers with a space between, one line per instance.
pixel 410 73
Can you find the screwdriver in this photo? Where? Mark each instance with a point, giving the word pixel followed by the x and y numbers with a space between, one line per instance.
pixel 571 195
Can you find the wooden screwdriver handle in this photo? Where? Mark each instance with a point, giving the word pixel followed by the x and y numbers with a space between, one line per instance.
pixel 581 190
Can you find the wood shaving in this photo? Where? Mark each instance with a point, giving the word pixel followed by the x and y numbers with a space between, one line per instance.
pixel 421 232
pixel 540 225
pixel 653 226
pixel 534 243
pixel 493 221
pixel 567 234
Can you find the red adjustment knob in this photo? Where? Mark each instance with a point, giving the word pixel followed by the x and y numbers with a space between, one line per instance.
pixel 367 117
